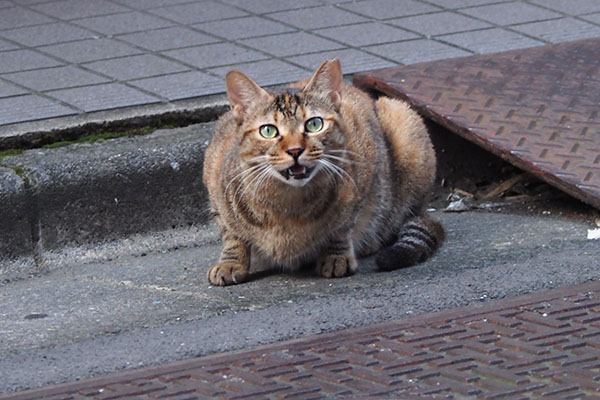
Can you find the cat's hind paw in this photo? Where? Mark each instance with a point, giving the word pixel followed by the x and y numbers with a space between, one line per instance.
pixel 226 273
pixel 336 266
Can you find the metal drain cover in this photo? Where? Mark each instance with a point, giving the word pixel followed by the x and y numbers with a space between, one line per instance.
pixel 537 108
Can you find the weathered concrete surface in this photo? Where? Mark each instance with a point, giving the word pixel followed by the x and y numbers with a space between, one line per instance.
pixel 148 302
pixel 89 193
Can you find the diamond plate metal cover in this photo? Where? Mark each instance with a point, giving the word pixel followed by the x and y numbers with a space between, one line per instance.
pixel 537 108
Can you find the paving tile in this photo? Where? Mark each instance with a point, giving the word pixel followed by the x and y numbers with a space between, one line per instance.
pixel 182 86
pixel 317 17
pixel 510 13
pixel 90 50
pixel 456 4
pixel 595 18
pixel 133 67
pixel 40 35
pixel 416 51
pixel 4 45
pixel 384 9
pixel 571 7
pixel 268 6
pixel 197 12
pixel 103 97
pixel 23 60
pixel 167 38
pixel 267 72
pixel 246 27
pixel 30 108
pixel 123 23
pixel 17 17
pixel 8 89
pixel 352 60
pixel 561 30
pixel 5 4
pixel 439 23
pixel 54 78
pixel 490 40
pixel 73 9
pixel 365 34
pixel 289 44
pixel 148 4
pixel 212 55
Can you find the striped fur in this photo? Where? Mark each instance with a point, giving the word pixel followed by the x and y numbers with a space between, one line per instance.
pixel 347 189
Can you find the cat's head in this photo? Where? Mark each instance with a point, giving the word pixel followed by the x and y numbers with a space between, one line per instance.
pixel 290 136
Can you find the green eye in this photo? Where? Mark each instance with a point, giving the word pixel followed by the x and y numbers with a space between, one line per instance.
pixel 314 124
pixel 268 131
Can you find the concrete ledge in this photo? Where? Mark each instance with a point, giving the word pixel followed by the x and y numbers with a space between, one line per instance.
pixel 93 193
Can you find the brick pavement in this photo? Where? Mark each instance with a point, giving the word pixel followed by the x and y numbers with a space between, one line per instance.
pixel 544 345
pixel 70 57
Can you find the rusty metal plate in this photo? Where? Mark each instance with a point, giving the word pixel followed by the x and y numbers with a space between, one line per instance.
pixel 537 108
pixel 545 345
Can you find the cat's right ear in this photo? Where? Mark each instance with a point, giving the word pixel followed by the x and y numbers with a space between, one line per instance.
pixel 242 92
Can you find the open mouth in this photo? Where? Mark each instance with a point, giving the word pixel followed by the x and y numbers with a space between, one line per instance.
pixel 296 171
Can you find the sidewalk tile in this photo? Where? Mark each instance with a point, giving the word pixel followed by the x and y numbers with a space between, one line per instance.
pixel 17 17
pixel 23 60
pixel 510 13
pixel 416 51
pixel 267 72
pixel 456 4
pixel 40 35
pixel 366 34
pixel 352 60
pixel 133 67
pixel 213 55
pixel 54 78
pixel 245 27
pixel 571 7
pixel 594 18
pixel 194 13
pixel 5 4
pixel 181 86
pixel 73 9
pixel 167 38
pixel 439 23
pixel 317 17
pixel 290 44
pixel 385 9
pixel 561 30
pixel 90 50
pixel 268 6
pixel 30 108
pixel 123 23
pixel 490 40
pixel 8 89
pixel 148 4
pixel 4 45
pixel 103 97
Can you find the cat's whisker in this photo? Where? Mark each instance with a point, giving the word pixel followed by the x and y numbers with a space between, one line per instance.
pixel 341 159
pixel 240 175
pixel 252 176
pixel 339 171
pixel 346 152
pixel 266 173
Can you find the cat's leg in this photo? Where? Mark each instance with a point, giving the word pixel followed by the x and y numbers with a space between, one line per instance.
pixel 418 239
pixel 234 263
pixel 339 259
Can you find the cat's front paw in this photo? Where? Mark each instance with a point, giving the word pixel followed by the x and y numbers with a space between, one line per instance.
pixel 223 274
pixel 335 266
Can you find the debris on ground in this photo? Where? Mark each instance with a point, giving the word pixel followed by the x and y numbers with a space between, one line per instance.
pixel 593 234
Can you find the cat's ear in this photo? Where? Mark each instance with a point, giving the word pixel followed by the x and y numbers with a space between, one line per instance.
pixel 327 82
pixel 242 92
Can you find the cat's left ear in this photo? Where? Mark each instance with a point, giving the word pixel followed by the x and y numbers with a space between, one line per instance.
pixel 242 92
pixel 327 82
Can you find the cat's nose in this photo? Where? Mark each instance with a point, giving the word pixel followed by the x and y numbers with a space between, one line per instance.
pixel 295 152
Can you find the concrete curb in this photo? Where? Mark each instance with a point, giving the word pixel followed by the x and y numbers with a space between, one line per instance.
pixel 90 193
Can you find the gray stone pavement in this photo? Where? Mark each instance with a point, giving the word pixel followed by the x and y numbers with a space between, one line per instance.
pixel 77 57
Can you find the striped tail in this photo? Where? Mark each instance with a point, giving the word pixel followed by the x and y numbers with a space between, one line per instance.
pixel 417 240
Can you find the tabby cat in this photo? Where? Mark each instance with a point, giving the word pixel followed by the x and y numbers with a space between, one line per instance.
pixel 319 176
